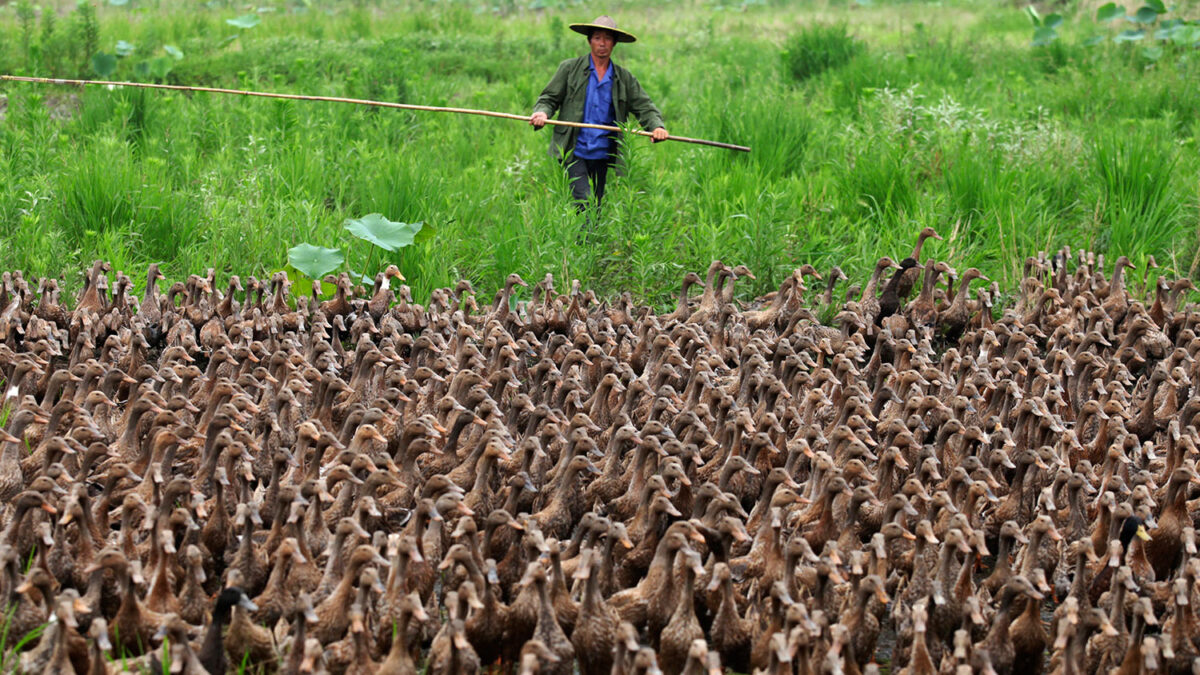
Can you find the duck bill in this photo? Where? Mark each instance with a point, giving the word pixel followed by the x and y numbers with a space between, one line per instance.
pixel 1142 533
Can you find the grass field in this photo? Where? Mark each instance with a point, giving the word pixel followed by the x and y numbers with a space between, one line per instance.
pixel 869 120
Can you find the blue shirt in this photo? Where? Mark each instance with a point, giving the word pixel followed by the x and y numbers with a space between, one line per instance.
pixel 597 109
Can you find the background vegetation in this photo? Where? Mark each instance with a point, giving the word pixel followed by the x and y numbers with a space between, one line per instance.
pixel 868 119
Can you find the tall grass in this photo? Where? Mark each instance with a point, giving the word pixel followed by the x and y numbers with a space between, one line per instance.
pixel 866 122
pixel 1139 211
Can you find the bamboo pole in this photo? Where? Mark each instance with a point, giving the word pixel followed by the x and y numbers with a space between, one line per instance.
pixel 359 101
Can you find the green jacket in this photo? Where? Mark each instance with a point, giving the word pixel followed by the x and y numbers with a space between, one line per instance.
pixel 566 92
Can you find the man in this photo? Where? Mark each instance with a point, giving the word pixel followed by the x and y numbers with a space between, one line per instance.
pixel 594 90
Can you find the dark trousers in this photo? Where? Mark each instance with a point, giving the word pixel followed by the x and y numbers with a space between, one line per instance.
pixel 586 176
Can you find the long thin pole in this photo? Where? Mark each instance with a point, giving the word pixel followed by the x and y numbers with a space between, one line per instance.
pixel 359 101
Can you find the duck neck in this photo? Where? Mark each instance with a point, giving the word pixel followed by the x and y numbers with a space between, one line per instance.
pixel 1147 411
pixel 965 587
pixel 682 306
pixel 873 283
pixel 1117 613
pixel 1079 583
pixel 399 650
pixel 483 474
pixel 686 610
pixel 592 602
pixel 999 631
pixel 546 616
pixel 945 567
pixel 1030 555
pixel 709 296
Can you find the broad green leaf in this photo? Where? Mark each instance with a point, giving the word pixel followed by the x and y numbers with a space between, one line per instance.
pixel 424 234
pixel 1144 15
pixel 1152 53
pixel 1157 6
pixel 1109 12
pixel 1187 35
pixel 142 68
pixel 160 67
pixel 124 48
pixel 1053 21
pixel 315 261
pixel 118 3
pixel 1093 41
pixel 244 21
pixel 1044 36
pixel 104 64
pixel 382 232
pixel 173 51
pixel 1129 36
pixel 1032 13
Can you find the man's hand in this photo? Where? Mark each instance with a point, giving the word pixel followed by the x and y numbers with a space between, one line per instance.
pixel 538 120
pixel 659 134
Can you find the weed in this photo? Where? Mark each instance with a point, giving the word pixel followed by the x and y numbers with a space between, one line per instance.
pixel 1138 213
pixel 86 36
pixel 817 48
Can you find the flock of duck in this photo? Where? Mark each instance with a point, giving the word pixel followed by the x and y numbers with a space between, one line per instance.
pixel 260 480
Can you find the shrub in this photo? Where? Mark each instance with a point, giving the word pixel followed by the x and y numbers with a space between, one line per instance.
pixel 818 48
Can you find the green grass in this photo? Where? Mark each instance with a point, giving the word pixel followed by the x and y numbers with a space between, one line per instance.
pixel 868 121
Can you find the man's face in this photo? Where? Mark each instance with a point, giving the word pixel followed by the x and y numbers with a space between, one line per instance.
pixel 602 43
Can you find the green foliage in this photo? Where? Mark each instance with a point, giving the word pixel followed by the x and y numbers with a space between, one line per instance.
pixel 51 47
pixel 1138 212
pixel 818 48
pixel 382 232
pixel 244 21
pixel 1109 12
pixel 104 64
pixel 85 37
pixel 315 261
pixel 25 17
pixel 954 120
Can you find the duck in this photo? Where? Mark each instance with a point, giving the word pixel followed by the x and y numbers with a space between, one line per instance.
pixel 909 277
pixel 683 628
pixel 133 626
pixel 332 619
pixel 595 633
pixel 547 630
pixel 446 434
pixel 731 632
pixel 1164 547
pixel 999 641
pixel 246 642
